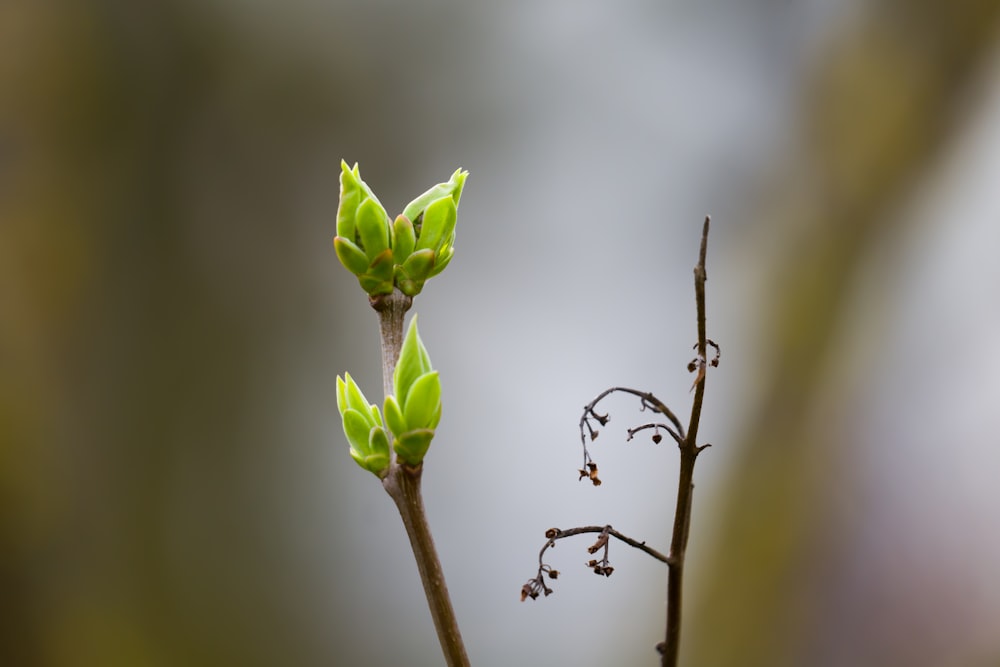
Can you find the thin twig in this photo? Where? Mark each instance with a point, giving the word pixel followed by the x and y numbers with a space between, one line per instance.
pixel 537 585
pixel 656 434
pixel 570 532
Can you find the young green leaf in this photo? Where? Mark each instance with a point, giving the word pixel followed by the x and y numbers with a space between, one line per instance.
pixel 394 416
pixel 405 239
pixel 419 264
pixel 378 445
pixel 374 286
pixel 453 188
pixel 376 415
pixel 423 401
pixel 381 267
pixel 341 395
pixel 350 198
pixel 436 418
pixel 412 446
pixel 355 399
pixel 357 428
pixel 413 362
pixel 375 458
pixel 442 259
pixel 350 255
pixel 438 224
pixel 373 228
pixel 408 287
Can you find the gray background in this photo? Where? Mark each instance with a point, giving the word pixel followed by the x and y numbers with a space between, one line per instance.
pixel 177 485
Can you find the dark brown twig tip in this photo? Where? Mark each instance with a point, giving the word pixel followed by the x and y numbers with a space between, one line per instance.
pixel 704 246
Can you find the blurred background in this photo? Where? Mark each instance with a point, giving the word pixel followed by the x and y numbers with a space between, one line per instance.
pixel 175 487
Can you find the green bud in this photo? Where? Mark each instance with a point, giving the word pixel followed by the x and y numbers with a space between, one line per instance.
pixel 413 362
pixel 433 215
pixel 353 191
pixel 421 240
pixel 363 231
pixel 363 427
pixel 414 411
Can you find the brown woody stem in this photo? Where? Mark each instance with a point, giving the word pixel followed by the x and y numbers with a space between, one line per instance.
pixel 685 486
pixel 403 486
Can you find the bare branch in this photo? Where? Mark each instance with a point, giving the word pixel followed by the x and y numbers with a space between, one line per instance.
pixel 647 401
pixel 669 649
pixel 537 585
pixel 656 432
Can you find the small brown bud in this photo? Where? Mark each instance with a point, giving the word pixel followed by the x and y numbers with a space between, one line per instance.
pixel 601 541
pixel 593 473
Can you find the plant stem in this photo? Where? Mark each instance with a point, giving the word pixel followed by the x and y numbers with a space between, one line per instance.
pixel 685 486
pixel 403 486
pixel 391 309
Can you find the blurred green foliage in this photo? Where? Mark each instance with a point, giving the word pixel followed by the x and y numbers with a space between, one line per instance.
pixel 882 99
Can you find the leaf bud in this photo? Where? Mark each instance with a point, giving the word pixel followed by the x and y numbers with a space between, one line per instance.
pixel 363 427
